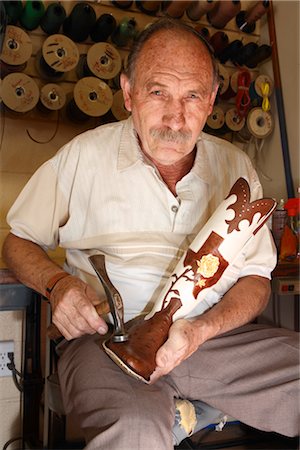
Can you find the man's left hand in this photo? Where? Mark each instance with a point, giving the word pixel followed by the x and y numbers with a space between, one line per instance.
pixel 183 340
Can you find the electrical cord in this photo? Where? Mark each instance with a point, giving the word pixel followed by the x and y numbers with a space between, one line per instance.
pixel 11 366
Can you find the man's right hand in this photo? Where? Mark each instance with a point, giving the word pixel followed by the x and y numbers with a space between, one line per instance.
pixel 73 308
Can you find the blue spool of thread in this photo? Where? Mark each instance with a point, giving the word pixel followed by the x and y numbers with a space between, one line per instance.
pixel 103 28
pixel 80 22
pixel 53 18
pixel 256 99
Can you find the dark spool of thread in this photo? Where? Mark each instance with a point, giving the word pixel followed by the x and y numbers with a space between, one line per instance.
pixel 3 24
pixel 74 113
pixel 203 31
pixel 245 53
pixel 219 41
pixel 230 51
pixel 149 7
pixel 103 28
pixel 197 9
pixel 53 18
pixel 261 54
pixel 246 20
pixel 48 71
pixel 13 11
pixel 175 9
pixel 32 14
pixel 223 12
pixel 122 4
pixel 80 22
pixel 124 32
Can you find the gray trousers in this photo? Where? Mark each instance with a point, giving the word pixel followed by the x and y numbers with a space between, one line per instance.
pixel 251 373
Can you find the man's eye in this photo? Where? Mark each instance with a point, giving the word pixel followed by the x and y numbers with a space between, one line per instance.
pixel 157 93
pixel 193 96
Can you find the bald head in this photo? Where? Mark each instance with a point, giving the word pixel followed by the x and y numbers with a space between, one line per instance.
pixel 173 38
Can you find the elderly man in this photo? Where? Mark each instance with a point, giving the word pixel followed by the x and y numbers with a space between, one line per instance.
pixel 138 191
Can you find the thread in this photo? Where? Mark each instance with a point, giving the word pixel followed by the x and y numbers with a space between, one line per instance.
pixel 20 93
pixel 31 15
pixel 262 53
pixel 242 100
pixel 233 120
pixel 149 7
pixel 17 48
pixel 118 108
pixel 224 79
pixel 230 51
pixel 52 98
pixel 219 41
pixel 197 9
pixel 103 28
pixel 245 53
pixel 92 98
pixel 203 31
pixel 125 32
pixel 102 60
pixel 13 11
pixel 80 22
pixel 223 12
pixel 215 123
pixel 122 4
pixel 175 9
pixel 53 18
pixel 246 20
pixel 260 123
pixel 59 55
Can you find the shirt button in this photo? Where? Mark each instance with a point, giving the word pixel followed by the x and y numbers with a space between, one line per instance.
pixel 174 208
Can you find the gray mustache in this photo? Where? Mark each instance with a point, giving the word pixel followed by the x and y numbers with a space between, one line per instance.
pixel 166 134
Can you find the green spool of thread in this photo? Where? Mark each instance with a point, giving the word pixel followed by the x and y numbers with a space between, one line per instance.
pixel 124 32
pixel 13 10
pixel 53 18
pixel 32 13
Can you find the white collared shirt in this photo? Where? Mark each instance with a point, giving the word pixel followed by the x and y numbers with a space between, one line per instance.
pixel 98 194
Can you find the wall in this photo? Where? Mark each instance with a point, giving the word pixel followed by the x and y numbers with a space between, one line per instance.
pixel 21 155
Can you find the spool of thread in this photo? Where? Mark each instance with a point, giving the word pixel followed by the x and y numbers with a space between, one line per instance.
pixel 20 93
pixel 256 99
pixel 260 123
pixel 234 121
pixel 226 93
pixel 219 42
pixel 175 9
pixel 16 50
pixel 203 31
pixel 215 123
pixel 149 7
pixel 13 11
pixel 103 28
pixel 79 24
pixel 197 9
pixel 245 53
pixel 53 18
pixel 256 86
pixel 122 4
pixel 125 32
pixel 224 79
pixel 223 12
pixel 246 20
pixel 229 52
pixel 92 98
pixel 59 55
pixel 262 53
pixel 234 81
pixel 102 60
pixel 32 14
pixel 52 98
pixel 118 108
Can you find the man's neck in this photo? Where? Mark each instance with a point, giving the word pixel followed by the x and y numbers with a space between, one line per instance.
pixel 173 173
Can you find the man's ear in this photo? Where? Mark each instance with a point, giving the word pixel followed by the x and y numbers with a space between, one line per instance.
pixel 126 88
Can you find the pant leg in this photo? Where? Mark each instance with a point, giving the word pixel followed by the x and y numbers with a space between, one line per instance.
pixel 251 374
pixel 114 410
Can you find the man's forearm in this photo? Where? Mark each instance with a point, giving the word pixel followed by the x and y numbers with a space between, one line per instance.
pixel 240 305
pixel 29 262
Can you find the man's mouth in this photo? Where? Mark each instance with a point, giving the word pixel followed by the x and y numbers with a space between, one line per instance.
pixel 168 135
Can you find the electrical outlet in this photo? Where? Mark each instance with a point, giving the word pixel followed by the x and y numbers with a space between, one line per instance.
pixel 5 348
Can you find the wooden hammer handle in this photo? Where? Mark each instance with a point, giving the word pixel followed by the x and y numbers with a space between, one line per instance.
pixel 54 333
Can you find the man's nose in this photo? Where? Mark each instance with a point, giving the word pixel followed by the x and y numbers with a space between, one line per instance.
pixel 174 116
